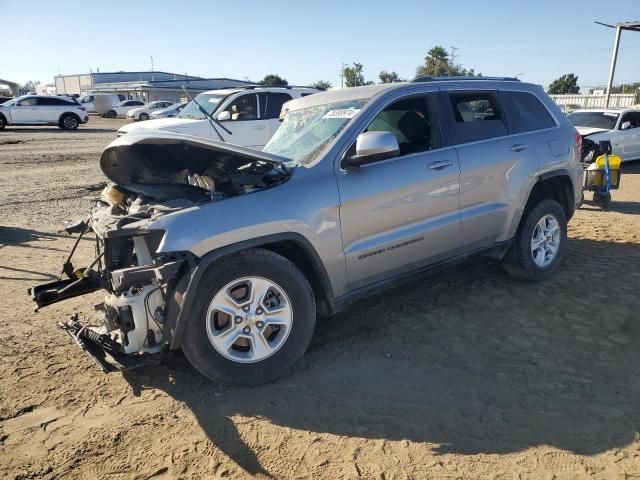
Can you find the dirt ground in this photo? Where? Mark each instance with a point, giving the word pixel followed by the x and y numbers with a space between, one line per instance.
pixel 469 374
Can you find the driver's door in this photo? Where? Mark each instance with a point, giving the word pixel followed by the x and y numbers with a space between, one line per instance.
pixel 26 111
pixel 401 213
pixel 246 125
pixel 628 140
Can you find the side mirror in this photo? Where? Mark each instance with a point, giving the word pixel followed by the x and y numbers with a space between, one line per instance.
pixel 224 116
pixel 372 147
pixel 625 125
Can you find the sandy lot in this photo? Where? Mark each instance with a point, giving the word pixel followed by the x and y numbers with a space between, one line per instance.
pixel 467 375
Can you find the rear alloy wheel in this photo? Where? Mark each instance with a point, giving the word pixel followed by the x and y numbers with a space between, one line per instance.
pixel 539 244
pixel 69 122
pixel 112 114
pixel 252 319
pixel 144 116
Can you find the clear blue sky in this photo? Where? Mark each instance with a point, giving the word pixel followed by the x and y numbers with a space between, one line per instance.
pixel 305 41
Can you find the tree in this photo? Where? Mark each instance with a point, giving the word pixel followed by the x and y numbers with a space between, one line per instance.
pixel 321 85
pixel 567 83
pixel 389 77
pixel 353 76
pixel 437 63
pixel 28 87
pixel 273 80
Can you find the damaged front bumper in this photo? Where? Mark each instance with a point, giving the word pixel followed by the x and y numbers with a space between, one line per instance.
pixel 133 327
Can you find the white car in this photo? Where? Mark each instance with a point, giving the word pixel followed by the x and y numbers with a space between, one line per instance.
pixel 620 126
pixel 103 100
pixel 169 112
pixel 119 110
pixel 64 112
pixel 143 112
pixel 249 116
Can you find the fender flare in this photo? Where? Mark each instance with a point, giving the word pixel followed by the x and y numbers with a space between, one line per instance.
pixel 181 298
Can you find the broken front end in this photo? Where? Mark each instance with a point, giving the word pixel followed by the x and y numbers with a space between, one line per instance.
pixel 152 176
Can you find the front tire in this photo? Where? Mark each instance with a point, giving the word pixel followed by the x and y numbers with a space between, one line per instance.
pixel 112 114
pixel 69 121
pixel 252 319
pixel 143 116
pixel 3 122
pixel 539 244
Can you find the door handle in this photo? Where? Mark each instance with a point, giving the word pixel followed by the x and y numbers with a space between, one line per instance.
pixel 518 147
pixel 259 127
pixel 440 164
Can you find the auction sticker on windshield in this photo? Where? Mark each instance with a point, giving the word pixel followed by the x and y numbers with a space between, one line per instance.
pixel 342 113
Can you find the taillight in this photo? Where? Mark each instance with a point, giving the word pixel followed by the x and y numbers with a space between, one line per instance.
pixel 578 140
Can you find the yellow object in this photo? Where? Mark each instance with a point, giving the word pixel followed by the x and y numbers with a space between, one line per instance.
pixel 614 162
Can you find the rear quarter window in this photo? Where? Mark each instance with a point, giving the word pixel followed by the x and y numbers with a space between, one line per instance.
pixel 526 112
pixel 476 116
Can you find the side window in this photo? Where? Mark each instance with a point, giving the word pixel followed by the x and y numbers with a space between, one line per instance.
pixel 29 102
pixel 477 116
pixel 632 117
pixel 274 104
pixel 245 107
pixel 88 99
pixel 410 121
pixel 526 112
pixel 52 101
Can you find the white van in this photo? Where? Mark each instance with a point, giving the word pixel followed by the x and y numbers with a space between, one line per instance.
pixel 100 102
pixel 248 116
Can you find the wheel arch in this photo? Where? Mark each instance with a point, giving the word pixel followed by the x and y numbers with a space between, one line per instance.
pixel 293 246
pixel 66 114
pixel 556 185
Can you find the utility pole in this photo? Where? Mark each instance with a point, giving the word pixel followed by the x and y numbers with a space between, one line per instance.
pixel 453 55
pixel 632 26
pixel 152 63
pixel 342 75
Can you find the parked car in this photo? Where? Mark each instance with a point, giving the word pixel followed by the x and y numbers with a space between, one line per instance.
pixel 143 112
pixel 229 252
pixel 168 112
pixel 104 101
pixel 43 110
pixel 620 126
pixel 120 109
pixel 249 115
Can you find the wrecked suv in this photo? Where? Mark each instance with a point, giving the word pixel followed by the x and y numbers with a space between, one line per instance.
pixel 230 254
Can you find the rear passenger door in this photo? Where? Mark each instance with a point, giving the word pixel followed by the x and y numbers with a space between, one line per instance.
pixel 400 214
pixel 495 167
pixel 270 106
pixel 51 108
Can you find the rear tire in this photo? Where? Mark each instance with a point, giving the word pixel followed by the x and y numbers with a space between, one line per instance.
pixel 69 121
pixel 143 116
pixel 540 243
pixel 112 114
pixel 242 347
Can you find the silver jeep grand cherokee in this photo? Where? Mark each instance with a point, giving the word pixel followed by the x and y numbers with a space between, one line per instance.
pixel 230 253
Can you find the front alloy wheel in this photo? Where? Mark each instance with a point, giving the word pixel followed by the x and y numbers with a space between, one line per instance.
pixel 249 319
pixel 252 318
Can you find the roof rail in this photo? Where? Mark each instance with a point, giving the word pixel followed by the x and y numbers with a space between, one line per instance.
pixel 458 78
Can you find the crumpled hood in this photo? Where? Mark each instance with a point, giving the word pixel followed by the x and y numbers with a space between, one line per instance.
pixel 161 157
pixel 584 131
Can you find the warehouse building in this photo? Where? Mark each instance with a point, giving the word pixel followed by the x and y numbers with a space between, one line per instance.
pixel 145 86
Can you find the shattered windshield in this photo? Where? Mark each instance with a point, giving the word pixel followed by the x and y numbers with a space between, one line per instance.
pixel 207 101
pixel 305 133
pixel 605 120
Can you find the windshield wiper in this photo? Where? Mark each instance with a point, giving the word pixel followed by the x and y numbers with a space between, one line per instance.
pixel 209 117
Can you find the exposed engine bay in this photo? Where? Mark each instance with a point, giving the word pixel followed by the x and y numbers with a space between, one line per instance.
pixel 150 177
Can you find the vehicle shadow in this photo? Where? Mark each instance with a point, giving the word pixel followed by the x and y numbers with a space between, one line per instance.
pixel 470 360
